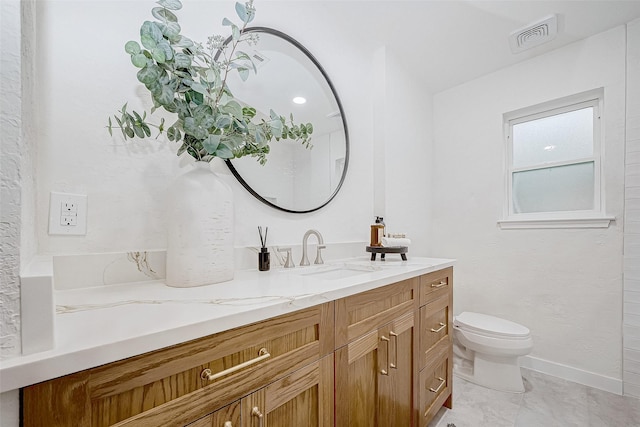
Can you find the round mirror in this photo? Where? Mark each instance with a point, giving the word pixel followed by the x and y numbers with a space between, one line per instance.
pixel 289 80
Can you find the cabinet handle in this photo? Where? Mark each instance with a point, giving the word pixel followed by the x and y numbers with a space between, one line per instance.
pixel 442 326
pixel 227 424
pixel 262 355
pixel 256 413
pixel 386 371
pixel 442 383
pixel 439 285
pixel 395 349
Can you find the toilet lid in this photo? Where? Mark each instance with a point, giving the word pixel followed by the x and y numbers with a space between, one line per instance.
pixel 483 323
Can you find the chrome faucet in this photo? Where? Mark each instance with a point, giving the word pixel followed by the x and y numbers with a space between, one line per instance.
pixel 305 260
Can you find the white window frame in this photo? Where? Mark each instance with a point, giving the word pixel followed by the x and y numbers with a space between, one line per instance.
pixel 593 218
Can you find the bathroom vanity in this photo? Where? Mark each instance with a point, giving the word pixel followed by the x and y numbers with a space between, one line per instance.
pixel 349 344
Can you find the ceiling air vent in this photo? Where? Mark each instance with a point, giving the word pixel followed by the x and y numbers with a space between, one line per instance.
pixel 534 35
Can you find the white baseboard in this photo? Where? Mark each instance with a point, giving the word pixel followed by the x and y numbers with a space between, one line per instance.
pixel 569 373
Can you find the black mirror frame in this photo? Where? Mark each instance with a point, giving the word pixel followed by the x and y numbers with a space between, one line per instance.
pixel 344 124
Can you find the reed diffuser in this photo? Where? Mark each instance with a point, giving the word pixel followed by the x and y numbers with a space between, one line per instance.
pixel 264 258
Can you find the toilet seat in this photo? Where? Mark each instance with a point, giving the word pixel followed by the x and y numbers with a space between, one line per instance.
pixel 490 326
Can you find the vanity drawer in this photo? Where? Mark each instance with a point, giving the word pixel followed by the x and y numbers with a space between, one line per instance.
pixel 436 327
pixel 435 384
pixel 362 313
pixel 166 387
pixel 435 285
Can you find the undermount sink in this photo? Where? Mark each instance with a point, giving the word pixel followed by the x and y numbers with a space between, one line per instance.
pixel 336 271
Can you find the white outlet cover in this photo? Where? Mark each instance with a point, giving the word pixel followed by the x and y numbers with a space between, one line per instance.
pixel 56 213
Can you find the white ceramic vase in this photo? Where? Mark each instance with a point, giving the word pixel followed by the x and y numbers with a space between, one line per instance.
pixel 200 229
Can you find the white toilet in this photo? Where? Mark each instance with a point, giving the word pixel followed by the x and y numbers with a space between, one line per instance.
pixel 490 347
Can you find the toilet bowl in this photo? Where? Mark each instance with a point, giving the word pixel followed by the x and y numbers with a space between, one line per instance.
pixel 490 348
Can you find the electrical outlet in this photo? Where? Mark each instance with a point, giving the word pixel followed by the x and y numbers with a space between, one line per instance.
pixel 67 214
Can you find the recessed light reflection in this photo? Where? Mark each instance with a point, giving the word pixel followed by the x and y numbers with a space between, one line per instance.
pixel 549 148
pixel 299 100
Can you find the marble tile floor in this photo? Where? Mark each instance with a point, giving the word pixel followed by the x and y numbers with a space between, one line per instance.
pixel 547 402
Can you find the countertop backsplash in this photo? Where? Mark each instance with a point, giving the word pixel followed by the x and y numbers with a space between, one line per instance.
pixel 89 270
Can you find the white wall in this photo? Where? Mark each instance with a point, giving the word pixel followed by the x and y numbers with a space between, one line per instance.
pixel 631 328
pixel 565 285
pixel 126 184
pixel 403 122
pixel 17 192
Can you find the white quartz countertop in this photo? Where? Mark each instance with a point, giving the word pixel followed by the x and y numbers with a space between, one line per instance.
pixel 99 325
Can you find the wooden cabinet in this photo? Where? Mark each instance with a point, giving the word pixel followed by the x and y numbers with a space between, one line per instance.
pixel 303 398
pixel 375 371
pixel 436 344
pixel 179 385
pixel 379 358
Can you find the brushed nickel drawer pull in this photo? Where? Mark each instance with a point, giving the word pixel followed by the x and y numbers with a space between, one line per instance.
pixel 439 285
pixel 442 326
pixel 256 413
pixel 262 355
pixel 386 371
pixel 395 349
pixel 442 383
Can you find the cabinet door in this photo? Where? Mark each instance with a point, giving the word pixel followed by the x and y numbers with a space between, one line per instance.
pixel 374 385
pixel 229 416
pixel 303 398
pixel 395 393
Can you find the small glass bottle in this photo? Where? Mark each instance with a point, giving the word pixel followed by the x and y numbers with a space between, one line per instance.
pixel 264 260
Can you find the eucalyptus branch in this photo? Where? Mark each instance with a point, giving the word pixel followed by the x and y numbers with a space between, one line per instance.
pixel 187 80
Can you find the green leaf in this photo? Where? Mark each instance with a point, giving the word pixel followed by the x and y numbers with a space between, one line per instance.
pixel 244 73
pixel 139 60
pixel 163 14
pixel 170 4
pixel 222 121
pixel 171 30
pixel 150 34
pixel 171 134
pixel 241 10
pixel 192 128
pixel 182 148
pixel 149 74
pixel 181 60
pixel 211 143
pixel 158 55
pixel 276 127
pixel 224 152
pixel 166 96
pixel 210 75
pixel 233 108
pixel 132 47
pixel 273 115
pixel 309 128
pixel 248 112
pixel 200 88
pixel 166 49
pixel 138 131
pixel 195 97
pixel 235 32
pixel 226 22
pixel 184 42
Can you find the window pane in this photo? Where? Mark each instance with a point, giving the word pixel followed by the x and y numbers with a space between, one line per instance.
pixel 562 137
pixel 560 188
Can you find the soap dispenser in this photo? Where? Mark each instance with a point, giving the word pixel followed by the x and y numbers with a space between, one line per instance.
pixel 377 232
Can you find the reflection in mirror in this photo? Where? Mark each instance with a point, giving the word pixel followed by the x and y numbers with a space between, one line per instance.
pixel 290 80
